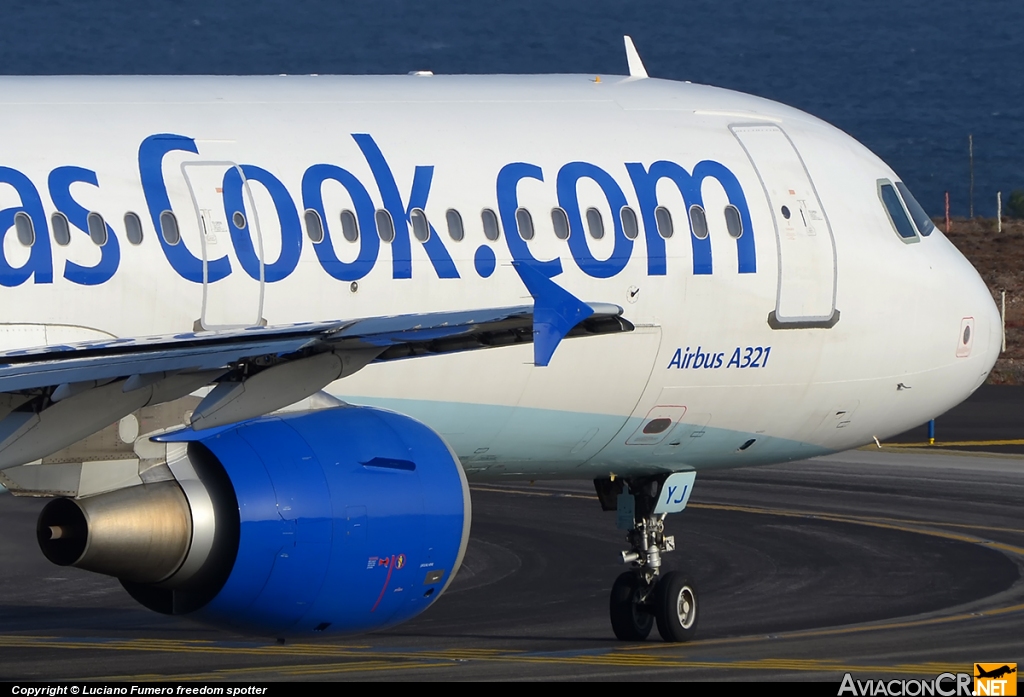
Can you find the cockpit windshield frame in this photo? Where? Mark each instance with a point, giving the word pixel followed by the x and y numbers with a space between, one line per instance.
pixel 895 210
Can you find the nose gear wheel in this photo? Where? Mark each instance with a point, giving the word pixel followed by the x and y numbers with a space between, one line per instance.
pixel 675 607
pixel 631 621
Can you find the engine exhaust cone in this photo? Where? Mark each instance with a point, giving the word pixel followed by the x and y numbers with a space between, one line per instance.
pixel 66 548
pixel 139 534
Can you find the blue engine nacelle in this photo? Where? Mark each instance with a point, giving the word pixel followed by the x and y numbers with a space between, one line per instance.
pixel 342 520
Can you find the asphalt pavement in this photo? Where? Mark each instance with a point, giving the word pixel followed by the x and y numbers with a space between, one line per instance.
pixel 899 562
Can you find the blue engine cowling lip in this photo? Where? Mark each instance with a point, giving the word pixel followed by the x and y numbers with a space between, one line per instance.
pixel 351 519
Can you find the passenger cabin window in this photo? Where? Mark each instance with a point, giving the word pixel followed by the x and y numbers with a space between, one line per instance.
pixel 61 229
pixel 420 226
pixel 897 214
pixel 238 220
pixel 733 222
pixel 524 221
pixel 490 220
pixel 627 216
pixel 385 225
pixel 595 224
pixel 698 222
pixel 314 226
pixel 133 228
pixel 663 218
pixel 349 226
pixel 455 229
pixel 560 221
pixel 169 228
pixel 921 220
pixel 97 229
pixel 25 230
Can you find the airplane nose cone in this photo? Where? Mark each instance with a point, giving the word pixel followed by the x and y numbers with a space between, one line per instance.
pixel 965 329
pixel 980 337
pixel 994 341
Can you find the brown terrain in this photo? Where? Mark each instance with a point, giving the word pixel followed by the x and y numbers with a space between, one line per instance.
pixel 999 258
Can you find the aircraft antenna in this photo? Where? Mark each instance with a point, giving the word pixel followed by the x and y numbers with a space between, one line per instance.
pixel 636 66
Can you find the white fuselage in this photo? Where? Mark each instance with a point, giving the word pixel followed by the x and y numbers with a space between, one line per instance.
pixel 866 336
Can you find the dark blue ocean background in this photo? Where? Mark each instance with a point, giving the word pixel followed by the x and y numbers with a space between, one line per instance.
pixel 909 78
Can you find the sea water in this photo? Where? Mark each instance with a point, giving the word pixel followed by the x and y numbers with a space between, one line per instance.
pixel 910 79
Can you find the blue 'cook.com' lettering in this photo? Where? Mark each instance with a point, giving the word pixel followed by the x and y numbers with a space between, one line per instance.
pixel 644 181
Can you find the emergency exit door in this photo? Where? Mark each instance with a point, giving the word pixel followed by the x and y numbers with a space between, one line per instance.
pixel 234 300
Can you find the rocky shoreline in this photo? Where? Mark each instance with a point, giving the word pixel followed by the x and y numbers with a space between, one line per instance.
pixel 999 258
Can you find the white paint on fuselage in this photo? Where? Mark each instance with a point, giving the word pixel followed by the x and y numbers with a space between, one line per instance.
pixel 901 304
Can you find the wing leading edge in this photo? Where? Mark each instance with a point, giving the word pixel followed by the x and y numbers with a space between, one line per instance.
pixel 56 395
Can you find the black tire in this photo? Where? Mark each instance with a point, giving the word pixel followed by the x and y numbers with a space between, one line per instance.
pixel 675 607
pixel 631 621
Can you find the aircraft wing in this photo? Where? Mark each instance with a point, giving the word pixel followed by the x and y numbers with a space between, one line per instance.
pixel 56 395
pixel 396 337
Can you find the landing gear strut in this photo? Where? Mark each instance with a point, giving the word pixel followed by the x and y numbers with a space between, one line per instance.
pixel 644 596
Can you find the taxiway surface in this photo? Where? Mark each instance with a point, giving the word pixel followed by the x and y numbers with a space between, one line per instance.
pixel 884 563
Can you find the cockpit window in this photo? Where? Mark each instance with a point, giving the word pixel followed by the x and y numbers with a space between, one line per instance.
pixel 921 219
pixel 897 213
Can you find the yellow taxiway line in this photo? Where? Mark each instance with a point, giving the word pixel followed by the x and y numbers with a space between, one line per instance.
pixel 954 444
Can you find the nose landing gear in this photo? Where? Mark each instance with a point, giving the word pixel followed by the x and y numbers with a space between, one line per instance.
pixel 644 596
